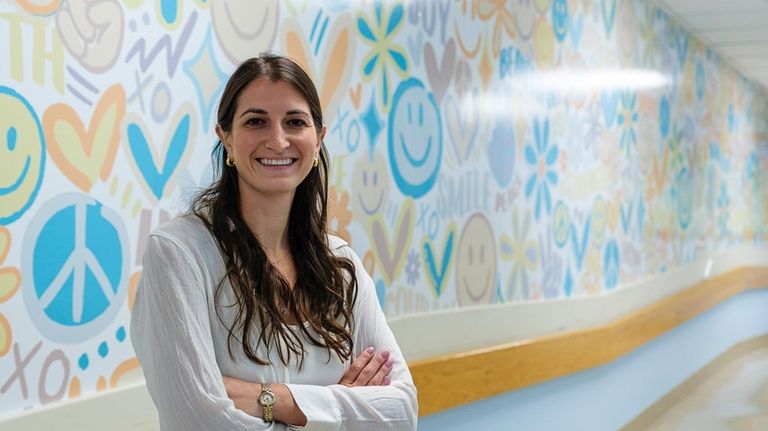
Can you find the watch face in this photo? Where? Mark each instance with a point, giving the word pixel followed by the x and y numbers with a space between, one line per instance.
pixel 267 399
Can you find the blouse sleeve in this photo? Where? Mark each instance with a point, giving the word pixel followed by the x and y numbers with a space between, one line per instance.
pixel 337 407
pixel 171 335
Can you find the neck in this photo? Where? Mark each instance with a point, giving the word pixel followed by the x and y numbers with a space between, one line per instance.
pixel 267 219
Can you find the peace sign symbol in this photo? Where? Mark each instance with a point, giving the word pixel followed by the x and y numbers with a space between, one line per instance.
pixel 76 259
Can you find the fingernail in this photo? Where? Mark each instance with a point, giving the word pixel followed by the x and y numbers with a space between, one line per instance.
pixel 386 381
pixel 385 354
pixel 370 349
pixel 388 363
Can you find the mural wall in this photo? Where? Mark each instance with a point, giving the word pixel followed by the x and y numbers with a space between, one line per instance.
pixel 482 151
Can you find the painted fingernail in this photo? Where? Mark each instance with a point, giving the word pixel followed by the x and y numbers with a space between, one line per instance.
pixel 385 355
pixel 388 363
pixel 386 381
pixel 370 349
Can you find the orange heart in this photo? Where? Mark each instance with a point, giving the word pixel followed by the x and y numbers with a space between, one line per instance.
pixel 6 336
pixel 82 156
pixel 354 94
pixel 10 278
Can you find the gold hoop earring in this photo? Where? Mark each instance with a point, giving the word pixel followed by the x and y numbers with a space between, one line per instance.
pixel 229 162
pixel 316 162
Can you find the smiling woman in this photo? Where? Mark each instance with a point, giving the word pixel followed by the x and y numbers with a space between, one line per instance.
pixel 272 140
pixel 265 320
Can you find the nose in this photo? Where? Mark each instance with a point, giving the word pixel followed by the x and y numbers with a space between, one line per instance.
pixel 277 140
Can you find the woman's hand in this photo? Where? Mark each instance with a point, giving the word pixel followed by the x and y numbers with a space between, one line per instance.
pixel 245 395
pixel 246 398
pixel 371 368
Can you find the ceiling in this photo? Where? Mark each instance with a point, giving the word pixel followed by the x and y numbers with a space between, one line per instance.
pixel 736 29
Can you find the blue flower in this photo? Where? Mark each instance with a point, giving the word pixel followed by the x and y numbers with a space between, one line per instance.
pixel 542 157
pixel 379 32
pixel 627 120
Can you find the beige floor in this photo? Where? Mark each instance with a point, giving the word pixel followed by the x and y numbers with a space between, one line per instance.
pixel 729 394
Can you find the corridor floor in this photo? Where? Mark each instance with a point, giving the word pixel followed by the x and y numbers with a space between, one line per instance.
pixel 732 395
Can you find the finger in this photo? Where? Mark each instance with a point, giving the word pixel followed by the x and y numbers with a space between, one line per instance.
pixel 382 374
pixel 357 366
pixel 371 369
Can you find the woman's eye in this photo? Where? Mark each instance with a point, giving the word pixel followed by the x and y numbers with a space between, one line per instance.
pixel 254 121
pixel 297 122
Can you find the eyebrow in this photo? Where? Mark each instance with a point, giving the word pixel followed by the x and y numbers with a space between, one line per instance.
pixel 264 112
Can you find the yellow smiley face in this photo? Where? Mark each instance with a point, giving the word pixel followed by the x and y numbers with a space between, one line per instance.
pixel 370 187
pixel 22 155
pixel 476 265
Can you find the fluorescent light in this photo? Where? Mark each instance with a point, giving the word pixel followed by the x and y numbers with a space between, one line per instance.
pixel 581 82
pixel 524 93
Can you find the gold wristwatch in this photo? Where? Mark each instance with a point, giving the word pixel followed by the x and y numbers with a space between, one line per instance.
pixel 267 399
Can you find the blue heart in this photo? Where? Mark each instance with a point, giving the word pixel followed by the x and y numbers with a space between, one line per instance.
pixel 611 261
pixel 580 247
pixel 608 15
pixel 626 215
pixel 437 276
pixel 157 179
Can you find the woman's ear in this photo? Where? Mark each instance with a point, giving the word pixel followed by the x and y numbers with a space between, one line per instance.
pixel 223 137
pixel 320 137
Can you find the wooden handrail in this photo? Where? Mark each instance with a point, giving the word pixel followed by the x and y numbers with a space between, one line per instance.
pixel 452 380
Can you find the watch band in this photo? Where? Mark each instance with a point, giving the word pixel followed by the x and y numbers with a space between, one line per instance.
pixel 267 399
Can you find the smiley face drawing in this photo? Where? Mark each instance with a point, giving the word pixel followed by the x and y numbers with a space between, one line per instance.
pixel 370 187
pixel 476 262
pixel 525 17
pixel 22 155
pixel 243 27
pixel 415 138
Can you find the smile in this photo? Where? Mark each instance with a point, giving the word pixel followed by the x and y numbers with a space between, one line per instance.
pixel 375 209
pixel 416 161
pixel 470 291
pixel 17 183
pixel 276 162
pixel 244 35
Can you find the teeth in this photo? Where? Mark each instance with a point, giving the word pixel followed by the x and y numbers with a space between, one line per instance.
pixel 275 162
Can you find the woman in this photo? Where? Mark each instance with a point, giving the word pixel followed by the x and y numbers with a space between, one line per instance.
pixel 249 315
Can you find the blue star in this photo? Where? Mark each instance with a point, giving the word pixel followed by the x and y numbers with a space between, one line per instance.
pixel 373 123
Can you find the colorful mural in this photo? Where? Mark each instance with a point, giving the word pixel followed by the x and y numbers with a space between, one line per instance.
pixel 482 152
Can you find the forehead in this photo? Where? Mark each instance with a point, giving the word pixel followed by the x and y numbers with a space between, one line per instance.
pixel 272 96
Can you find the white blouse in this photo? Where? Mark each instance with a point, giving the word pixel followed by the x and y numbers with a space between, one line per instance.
pixel 180 338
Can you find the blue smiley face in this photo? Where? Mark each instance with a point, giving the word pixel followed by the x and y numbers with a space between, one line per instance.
pixel 560 18
pixel 22 155
pixel 415 138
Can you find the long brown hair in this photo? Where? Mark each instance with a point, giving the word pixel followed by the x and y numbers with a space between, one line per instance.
pixel 326 286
